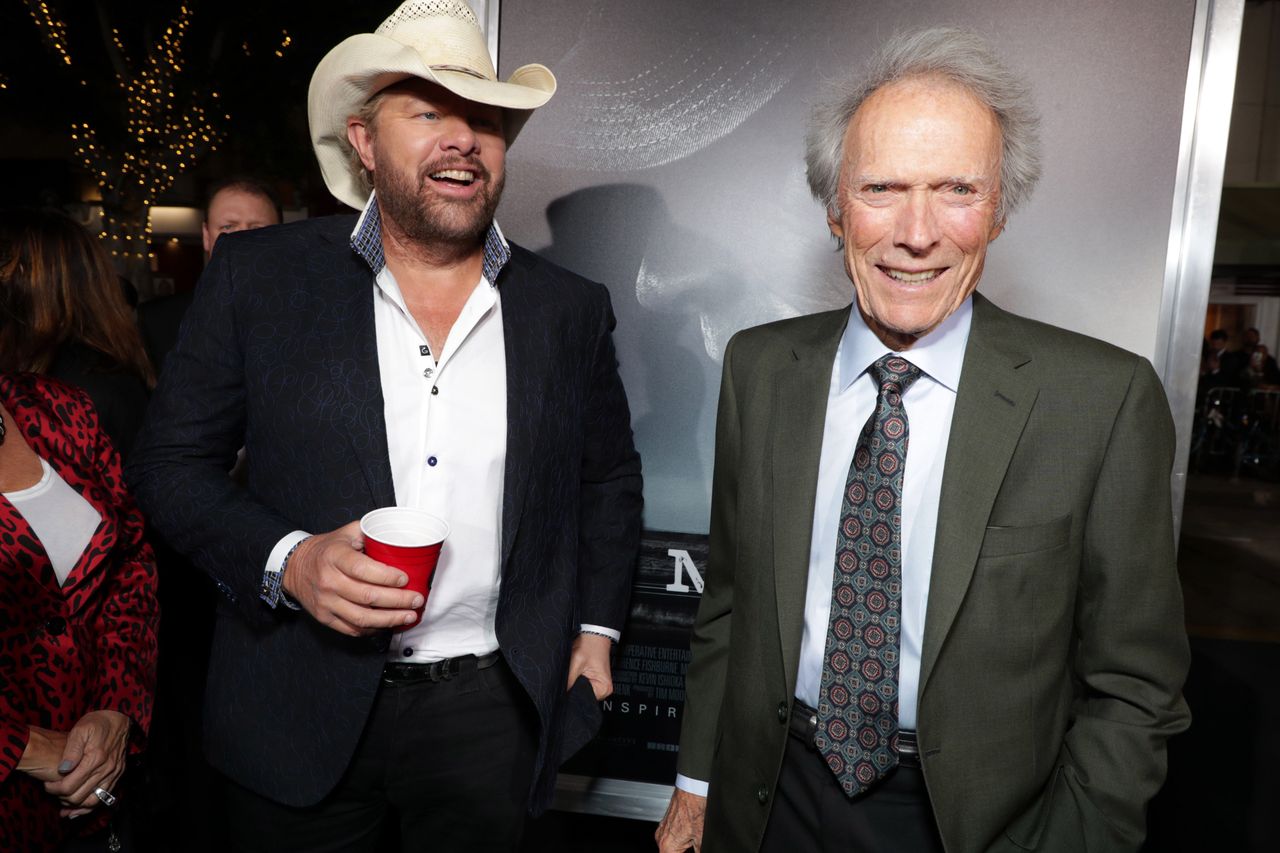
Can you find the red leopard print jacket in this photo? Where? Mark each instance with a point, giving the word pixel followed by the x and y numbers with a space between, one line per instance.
pixel 85 646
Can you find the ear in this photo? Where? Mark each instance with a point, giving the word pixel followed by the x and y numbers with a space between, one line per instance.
pixel 361 140
pixel 207 238
pixel 835 225
pixel 996 230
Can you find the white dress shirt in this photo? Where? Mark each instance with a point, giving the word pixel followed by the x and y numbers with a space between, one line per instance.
pixel 448 452
pixel 851 400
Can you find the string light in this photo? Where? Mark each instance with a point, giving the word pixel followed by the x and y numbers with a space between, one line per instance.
pixel 53 28
pixel 163 137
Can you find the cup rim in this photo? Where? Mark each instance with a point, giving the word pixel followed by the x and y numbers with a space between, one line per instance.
pixel 439 528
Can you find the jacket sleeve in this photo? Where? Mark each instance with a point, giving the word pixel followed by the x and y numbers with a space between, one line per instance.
pixel 1131 654
pixel 709 643
pixel 194 428
pixel 126 625
pixel 611 488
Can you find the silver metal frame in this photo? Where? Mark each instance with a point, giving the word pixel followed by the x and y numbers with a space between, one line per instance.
pixel 488 12
pixel 1197 195
pixel 611 797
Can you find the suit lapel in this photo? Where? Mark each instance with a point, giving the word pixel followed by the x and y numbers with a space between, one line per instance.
pixel 353 343
pixel 995 398
pixel 14 524
pixel 800 391
pixel 527 344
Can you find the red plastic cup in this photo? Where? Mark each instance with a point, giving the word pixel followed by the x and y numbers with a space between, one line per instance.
pixel 409 540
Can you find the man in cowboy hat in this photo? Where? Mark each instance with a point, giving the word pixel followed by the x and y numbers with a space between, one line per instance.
pixel 410 356
pixel 942 609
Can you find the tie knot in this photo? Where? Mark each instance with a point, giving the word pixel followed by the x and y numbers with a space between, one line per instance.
pixel 894 374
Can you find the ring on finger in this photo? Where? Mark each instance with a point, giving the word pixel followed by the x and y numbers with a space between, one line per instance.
pixel 107 798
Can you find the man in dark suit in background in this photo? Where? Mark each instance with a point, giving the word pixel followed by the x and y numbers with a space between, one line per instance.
pixel 410 356
pixel 234 204
pixel 941 606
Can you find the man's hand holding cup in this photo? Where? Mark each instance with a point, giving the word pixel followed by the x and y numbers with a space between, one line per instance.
pixel 333 578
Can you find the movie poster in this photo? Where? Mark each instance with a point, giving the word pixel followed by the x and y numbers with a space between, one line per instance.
pixel 640 735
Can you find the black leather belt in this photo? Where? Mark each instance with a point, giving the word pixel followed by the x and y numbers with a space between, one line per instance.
pixel 804 726
pixel 396 673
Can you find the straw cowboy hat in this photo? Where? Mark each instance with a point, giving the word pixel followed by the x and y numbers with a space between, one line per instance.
pixel 437 40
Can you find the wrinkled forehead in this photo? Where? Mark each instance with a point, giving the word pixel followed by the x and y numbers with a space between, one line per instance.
pixel 922 121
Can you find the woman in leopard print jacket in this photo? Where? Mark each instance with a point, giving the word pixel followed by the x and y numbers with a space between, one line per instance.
pixel 78 618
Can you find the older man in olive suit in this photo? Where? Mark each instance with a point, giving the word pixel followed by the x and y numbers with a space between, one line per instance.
pixel 941 609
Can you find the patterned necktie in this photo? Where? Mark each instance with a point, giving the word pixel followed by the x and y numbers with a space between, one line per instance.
pixel 858 702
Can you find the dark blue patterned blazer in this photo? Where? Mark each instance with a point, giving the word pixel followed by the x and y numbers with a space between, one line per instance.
pixel 278 353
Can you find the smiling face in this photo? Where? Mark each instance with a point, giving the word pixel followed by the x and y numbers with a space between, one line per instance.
pixel 437 160
pixel 918 193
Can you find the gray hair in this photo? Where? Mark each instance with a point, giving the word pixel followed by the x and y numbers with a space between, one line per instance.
pixel 958 55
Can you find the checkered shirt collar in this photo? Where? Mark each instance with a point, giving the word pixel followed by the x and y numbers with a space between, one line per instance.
pixel 366 240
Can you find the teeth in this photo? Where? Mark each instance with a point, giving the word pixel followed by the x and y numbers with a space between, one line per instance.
pixel 454 175
pixel 911 277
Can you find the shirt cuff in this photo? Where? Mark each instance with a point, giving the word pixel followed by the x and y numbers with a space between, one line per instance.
pixel 275 563
pixel 603 632
pixel 692 786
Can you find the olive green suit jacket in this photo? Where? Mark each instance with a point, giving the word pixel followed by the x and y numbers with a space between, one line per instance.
pixel 1054 647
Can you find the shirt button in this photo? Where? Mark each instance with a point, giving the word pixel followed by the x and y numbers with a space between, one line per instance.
pixel 431 460
pixel 763 794
pixel 56 625
pixel 429 372
pixel 407 652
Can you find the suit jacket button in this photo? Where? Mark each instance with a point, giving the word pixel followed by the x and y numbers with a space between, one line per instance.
pixel 763 794
pixel 382 642
pixel 782 712
pixel 55 626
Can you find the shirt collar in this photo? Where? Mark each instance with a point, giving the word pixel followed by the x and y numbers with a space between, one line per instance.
pixel 366 240
pixel 940 353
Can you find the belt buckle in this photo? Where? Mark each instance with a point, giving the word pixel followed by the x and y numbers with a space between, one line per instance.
pixel 444 670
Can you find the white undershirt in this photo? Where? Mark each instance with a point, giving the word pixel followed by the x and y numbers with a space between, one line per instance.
pixel 851 399
pixel 63 521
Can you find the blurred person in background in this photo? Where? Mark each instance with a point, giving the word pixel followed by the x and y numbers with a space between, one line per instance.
pixel 63 313
pixel 234 204
pixel 1261 371
pixel 78 619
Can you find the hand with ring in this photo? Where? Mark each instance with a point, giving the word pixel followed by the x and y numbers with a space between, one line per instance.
pixel 92 762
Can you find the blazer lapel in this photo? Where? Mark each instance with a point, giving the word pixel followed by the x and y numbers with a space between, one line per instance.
pixel 527 343
pixel 995 398
pixel 353 344
pixel 13 524
pixel 104 535
pixel 800 391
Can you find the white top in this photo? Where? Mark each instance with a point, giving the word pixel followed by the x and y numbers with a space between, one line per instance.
pixel 851 400
pixel 63 521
